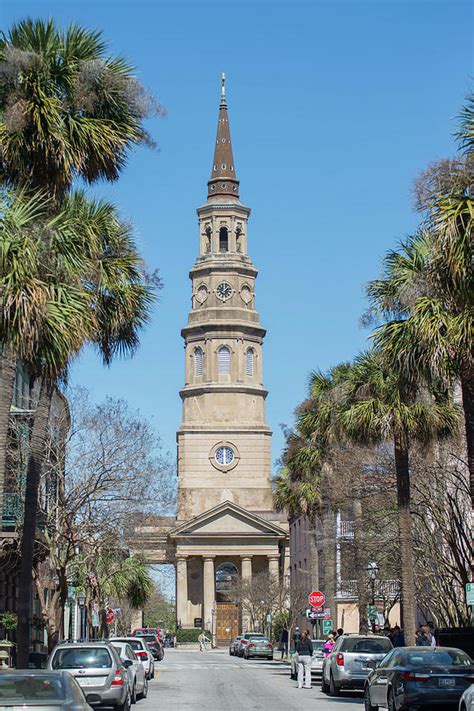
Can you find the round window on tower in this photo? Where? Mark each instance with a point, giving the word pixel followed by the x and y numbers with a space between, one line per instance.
pixel 224 456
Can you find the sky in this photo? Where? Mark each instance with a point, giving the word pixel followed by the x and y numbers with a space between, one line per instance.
pixel 334 108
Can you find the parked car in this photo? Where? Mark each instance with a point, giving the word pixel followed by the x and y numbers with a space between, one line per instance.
pixel 143 652
pixel 347 666
pixel 233 646
pixel 41 689
pixel 467 700
pixel 142 631
pixel 97 668
pixel 244 640
pixel 136 671
pixel 424 677
pixel 316 662
pixel 154 645
pixel 258 647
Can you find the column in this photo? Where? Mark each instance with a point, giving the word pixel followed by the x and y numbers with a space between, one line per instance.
pixel 246 578
pixel 273 566
pixel 182 591
pixel 208 593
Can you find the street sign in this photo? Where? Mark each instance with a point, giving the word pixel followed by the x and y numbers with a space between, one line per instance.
pixel 317 609
pixel 372 612
pixel 312 615
pixel 109 616
pixel 470 593
pixel 316 599
pixel 327 627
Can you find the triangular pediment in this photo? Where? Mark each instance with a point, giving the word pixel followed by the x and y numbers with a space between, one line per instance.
pixel 229 520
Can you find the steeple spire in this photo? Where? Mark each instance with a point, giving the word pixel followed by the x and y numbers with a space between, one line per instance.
pixel 223 179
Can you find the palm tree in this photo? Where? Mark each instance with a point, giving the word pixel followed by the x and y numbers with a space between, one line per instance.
pixel 378 405
pixel 85 283
pixel 67 108
pixel 426 296
pixel 465 134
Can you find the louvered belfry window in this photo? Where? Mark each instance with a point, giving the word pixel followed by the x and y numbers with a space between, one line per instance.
pixel 223 359
pixel 249 361
pixel 198 361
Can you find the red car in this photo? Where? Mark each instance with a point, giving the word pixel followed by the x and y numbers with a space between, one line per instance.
pixel 142 631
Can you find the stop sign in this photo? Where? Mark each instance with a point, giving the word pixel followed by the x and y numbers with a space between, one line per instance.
pixel 316 598
pixel 110 616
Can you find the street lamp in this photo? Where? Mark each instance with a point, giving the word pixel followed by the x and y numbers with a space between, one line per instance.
pixel 372 572
pixel 81 599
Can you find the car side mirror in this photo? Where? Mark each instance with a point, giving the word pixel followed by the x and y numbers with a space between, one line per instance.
pixel 93 699
pixel 127 663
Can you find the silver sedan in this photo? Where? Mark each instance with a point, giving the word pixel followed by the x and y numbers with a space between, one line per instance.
pixel 43 690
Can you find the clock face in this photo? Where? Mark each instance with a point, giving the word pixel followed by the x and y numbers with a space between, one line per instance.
pixel 224 291
pixel 224 456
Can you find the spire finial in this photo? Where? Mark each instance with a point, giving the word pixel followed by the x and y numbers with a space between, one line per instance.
pixel 223 99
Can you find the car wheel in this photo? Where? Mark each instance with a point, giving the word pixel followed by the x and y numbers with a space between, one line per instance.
pixel 271 658
pixel 144 693
pixel 369 706
pixel 392 706
pixel 324 686
pixel 133 696
pixel 333 689
pixel 126 704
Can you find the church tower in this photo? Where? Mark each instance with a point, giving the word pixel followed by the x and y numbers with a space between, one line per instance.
pixel 224 442
pixel 226 529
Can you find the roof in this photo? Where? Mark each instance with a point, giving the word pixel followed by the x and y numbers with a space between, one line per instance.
pixel 223 179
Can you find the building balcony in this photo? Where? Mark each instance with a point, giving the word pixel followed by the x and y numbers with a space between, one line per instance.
pixel 383 588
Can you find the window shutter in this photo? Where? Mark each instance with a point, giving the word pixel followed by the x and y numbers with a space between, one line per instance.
pixel 198 361
pixel 249 362
pixel 223 358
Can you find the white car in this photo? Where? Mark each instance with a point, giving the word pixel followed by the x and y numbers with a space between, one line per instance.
pixel 136 671
pixel 142 651
pixel 467 700
pixel 316 662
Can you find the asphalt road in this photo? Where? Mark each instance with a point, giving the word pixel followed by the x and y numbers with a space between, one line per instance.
pixel 215 681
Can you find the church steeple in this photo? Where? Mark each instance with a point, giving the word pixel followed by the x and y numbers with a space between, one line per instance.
pixel 223 179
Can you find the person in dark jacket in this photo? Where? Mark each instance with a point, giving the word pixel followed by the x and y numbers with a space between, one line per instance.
pixel 284 642
pixel 304 650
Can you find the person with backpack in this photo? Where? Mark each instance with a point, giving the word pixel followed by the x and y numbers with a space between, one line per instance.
pixel 304 650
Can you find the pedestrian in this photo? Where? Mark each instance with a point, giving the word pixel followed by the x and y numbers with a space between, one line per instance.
pixel 284 641
pixel 339 633
pixel 328 645
pixel 304 651
pixel 296 636
pixel 203 640
pixel 431 629
pixel 397 637
pixel 423 637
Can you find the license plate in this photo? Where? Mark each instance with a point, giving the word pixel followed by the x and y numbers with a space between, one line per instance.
pixel 90 680
pixel 447 682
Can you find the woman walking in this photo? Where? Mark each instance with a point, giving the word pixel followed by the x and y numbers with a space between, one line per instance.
pixel 304 650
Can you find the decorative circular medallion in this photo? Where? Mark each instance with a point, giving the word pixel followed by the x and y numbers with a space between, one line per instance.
pixel 224 456
pixel 202 294
pixel 224 291
pixel 246 294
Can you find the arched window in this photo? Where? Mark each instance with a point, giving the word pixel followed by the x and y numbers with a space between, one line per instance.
pixel 198 361
pixel 223 240
pixel 227 577
pixel 249 358
pixel 223 359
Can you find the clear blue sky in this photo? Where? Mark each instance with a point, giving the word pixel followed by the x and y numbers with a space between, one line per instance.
pixel 334 108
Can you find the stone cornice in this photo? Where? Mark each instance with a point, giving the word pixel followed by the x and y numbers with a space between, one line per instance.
pixel 224 329
pixel 201 389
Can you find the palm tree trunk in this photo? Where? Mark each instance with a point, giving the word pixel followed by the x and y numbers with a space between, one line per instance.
pixel 360 561
pixel 8 372
pixel 467 389
pixel 33 475
pixel 406 536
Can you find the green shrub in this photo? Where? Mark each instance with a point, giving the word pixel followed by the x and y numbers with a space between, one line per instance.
pixel 190 635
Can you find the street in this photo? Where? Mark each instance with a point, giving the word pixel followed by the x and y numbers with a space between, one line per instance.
pixel 216 681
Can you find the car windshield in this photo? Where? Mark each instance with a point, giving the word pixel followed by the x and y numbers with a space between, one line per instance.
pixel 29 688
pixel 82 658
pixel 318 646
pixel 369 645
pixel 253 635
pixel 261 640
pixel 444 657
pixel 135 645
